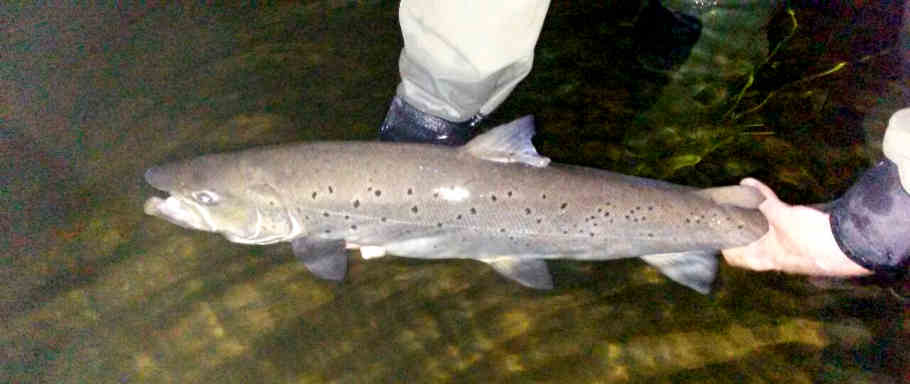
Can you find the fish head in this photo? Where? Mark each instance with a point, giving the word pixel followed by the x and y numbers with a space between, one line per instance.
pixel 217 194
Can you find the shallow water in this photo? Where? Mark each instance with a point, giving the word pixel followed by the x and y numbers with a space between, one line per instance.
pixel 95 291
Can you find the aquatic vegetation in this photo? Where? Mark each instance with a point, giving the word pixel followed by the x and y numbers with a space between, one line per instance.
pixel 778 118
pixel 738 132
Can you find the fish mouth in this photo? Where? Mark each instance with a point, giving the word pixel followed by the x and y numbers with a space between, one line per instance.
pixel 185 213
pixel 179 211
pixel 174 208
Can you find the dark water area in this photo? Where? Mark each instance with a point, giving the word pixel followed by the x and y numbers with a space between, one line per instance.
pixel 95 291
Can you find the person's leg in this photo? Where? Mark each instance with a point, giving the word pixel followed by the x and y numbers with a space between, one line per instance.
pixel 460 60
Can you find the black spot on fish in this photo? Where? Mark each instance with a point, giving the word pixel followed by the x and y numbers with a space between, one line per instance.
pixel 410 191
pixel 353 227
pixel 543 196
pixel 384 219
pixel 331 190
pixel 688 221
pixel 438 225
pixel 650 207
pixel 378 193
pixel 643 218
pixel 414 209
pixel 328 231
pixel 369 189
pixel 435 195
pixel 564 205
pixel 306 217
pixel 606 214
pixel 509 193
pixel 326 214
pixel 313 195
pixel 458 217
pixel 650 235
pixel 493 197
pixel 539 221
pixel 473 211
pixel 527 211
pixel 592 234
pixel 346 217
pixel 565 232
pixel 503 230
pixel 599 210
pixel 739 227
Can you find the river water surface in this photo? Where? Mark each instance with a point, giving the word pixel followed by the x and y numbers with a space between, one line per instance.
pixel 94 291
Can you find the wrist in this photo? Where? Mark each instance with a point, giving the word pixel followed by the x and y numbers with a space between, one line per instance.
pixel 896 144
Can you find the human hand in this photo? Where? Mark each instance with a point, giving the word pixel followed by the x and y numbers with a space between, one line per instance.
pixel 799 240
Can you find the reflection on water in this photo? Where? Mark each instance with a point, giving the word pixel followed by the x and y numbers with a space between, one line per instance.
pixel 97 292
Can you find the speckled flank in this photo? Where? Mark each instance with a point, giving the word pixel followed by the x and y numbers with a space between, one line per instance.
pixel 430 202
pixel 383 195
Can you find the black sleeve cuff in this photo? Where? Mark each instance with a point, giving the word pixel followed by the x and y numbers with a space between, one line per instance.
pixel 871 222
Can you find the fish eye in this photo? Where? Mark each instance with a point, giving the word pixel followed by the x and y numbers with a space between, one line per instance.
pixel 205 197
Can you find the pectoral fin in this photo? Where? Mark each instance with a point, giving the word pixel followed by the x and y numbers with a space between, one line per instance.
pixel 529 272
pixel 325 258
pixel 695 269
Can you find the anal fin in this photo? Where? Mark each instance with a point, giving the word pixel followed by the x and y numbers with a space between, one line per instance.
pixel 531 273
pixel 694 269
pixel 325 258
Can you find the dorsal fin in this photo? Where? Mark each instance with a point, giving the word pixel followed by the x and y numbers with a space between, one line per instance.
pixel 508 143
